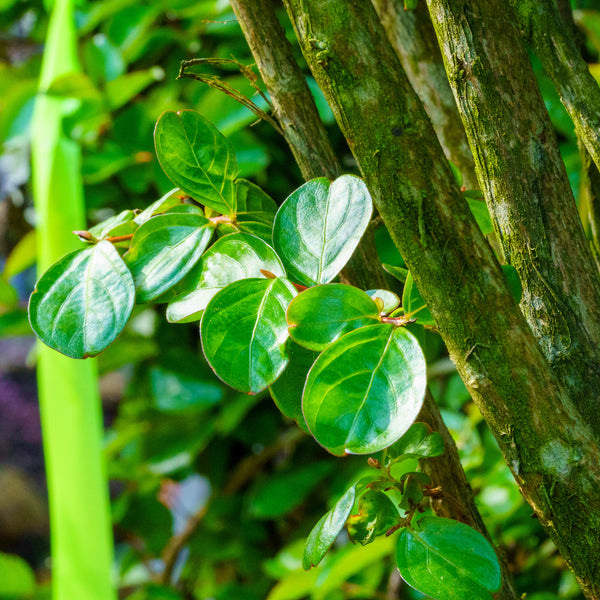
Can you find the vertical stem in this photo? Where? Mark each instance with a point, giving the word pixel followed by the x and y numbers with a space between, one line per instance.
pixel 68 390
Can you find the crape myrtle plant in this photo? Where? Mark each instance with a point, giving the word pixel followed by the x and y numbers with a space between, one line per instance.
pixel 340 361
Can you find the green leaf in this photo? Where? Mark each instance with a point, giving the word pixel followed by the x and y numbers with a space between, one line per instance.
pixel 318 227
pixel 400 273
pixel 244 332
pixel 164 249
pixel 413 303
pixel 255 210
pixel 322 314
pixel 448 560
pixel 197 158
pixel 455 170
pixel 281 492
pixel 376 514
pixel 16 577
pixel 170 199
pixel 121 224
pixel 481 214
pixel 389 300
pixel 287 390
pixel 325 532
pixel 513 281
pixel 174 392
pixel 419 441
pixel 83 301
pixel 365 390
pixel 231 258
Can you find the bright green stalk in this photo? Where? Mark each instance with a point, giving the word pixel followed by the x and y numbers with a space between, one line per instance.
pixel 68 389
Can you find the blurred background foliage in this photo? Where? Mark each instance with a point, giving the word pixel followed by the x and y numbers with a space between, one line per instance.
pixel 213 492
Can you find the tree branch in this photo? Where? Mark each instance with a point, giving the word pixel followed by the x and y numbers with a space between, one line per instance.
pixel 487 337
pixel 526 187
pixel 413 38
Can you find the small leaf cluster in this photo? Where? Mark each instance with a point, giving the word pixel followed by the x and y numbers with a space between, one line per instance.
pixel 439 557
pixel 259 278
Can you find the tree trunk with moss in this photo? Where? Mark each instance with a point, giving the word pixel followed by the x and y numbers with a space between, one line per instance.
pixel 549 447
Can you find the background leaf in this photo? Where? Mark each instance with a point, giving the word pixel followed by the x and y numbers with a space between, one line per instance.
pixel 318 227
pixel 287 390
pixel 197 158
pixel 244 332
pixel 448 560
pixel 83 301
pixel 365 390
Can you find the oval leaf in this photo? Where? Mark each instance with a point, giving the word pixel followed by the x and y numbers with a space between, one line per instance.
pixel 244 332
pixel 325 532
pixel 318 227
pixel 197 158
pixel 365 390
pixel 322 314
pixel 376 515
pixel 83 301
pixel 448 560
pixel 164 249
pixel 231 258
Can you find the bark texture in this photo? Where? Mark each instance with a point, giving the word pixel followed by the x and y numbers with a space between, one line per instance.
pixel 551 452
pixel 526 188
pixel 413 38
pixel 283 75
pixel 544 29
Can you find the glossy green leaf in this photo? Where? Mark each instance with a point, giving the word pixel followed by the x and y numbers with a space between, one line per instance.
pixel 163 250
pixel 255 210
pixel 513 281
pixel 365 390
pixel 389 300
pixel 448 560
pixel 400 273
pixel 83 301
pixel 287 390
pixel 318 227
pixel 419 441
pixel 231 258
pixel 322 314
pixel 481 214
pixel 244 332
pixel 413 303
pixel 197 158
pixel 170 199
pixel 325 532
pixel 376 515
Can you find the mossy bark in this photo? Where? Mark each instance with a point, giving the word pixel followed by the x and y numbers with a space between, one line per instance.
pixel 413 38
pixel 552 453
pixel 526 188
pixel 282 75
